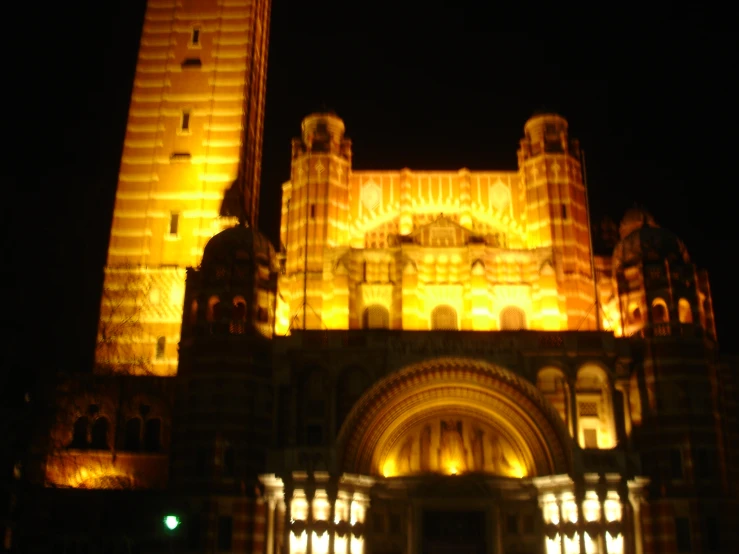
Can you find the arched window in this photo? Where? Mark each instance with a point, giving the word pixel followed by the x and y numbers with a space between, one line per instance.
pixel 214 304
pixel 79 434
pixel 161 344
pixel 132 441
pixel 634 314
pixel 552 384
pixel 685 313
pixel 376 317
pixel 444 318
pixel 512 318
pixel 659 311
pixel 237 325
pixel 100 434
pixel 239 309
pixel 152 435
pixel 594 401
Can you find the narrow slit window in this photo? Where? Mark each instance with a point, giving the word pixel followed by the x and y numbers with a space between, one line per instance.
pixel 564 211
pixel 174 223
pixel 161 343
pixel 312 211
pixel 195 37
pixel 185 120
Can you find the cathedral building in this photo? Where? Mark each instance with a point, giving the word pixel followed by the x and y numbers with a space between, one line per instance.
pixel 428 362
pixel 431 362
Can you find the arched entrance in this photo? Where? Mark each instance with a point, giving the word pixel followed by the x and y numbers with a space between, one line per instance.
pixel 451 455
pixel 452 416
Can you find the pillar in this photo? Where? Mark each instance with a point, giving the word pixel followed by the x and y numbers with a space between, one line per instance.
pixel 410 301
pixel 623 388
pixel 573 411
pixel 332 490
pixel 270 538
pixel 561 525
pixel 406 210
pixel 602 491
pixel 638 533
pixel 465 214
pixel 288 515
pixel 579 499
pixel 310 494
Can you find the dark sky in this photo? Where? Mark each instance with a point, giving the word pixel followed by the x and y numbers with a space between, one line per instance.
pixel 450 84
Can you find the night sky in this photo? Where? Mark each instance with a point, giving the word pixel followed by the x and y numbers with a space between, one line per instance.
pixel 449 85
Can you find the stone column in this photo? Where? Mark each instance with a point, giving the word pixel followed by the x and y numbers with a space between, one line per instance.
pixel 288 513
pixel 573 410
pixel 561 527
pixel 465 215
pixel 332 490
pixel 610 413
pixel 406 210
pixel 623 387
pixel 627 517
pixel 602 494
pixel 270 538
pixel 579 499
pixel 638 537
pixel 310 493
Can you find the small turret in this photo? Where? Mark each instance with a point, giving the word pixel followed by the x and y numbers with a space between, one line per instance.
pixel 322 133
pixel 547 133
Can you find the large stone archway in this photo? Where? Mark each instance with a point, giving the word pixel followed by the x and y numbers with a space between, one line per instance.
pixel 433 417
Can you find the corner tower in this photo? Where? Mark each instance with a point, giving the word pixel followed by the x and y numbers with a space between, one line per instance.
pixel 557 216
pixel 191 165
pixel 315 220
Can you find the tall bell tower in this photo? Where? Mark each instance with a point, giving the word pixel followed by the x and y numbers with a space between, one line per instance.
pixel 191 166
pixel 557 216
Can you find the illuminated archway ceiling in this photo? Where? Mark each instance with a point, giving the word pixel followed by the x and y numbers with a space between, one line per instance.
pixel 451 416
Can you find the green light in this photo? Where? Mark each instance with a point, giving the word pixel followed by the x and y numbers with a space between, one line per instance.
pixel 171 522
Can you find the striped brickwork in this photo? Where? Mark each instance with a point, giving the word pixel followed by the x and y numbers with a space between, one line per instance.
pixel 477 242
pixel 194 128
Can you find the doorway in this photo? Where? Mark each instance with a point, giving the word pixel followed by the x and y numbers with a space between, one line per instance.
pixel 453 532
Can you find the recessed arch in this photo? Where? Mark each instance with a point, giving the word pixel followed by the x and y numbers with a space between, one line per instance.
pixel 214 311
pixel 594 400
pixel 660 313
pixel 512 318
pixel 444 318
pixel 449 390
pixel 552 383
pixel 376 316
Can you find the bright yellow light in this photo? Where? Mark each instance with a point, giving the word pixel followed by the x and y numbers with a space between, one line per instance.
pixel 452 470
pixel 517 470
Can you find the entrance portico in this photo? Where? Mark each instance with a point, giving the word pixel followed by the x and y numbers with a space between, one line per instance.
pixel 451 455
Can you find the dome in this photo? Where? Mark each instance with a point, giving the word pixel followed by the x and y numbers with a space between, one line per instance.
pixel 239 242
pixel 635 218
pixel 643 240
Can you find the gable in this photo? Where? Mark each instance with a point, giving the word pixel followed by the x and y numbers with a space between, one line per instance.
pixel 442 232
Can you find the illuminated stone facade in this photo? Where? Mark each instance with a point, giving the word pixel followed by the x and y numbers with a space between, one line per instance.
pixel 420 250
pixel 191 164
pixel 451 391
